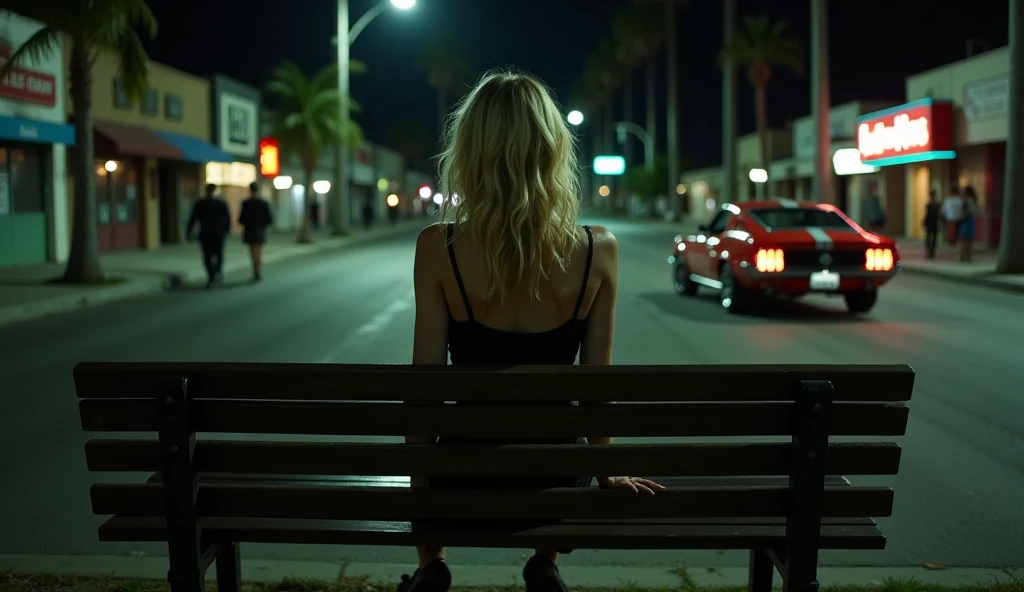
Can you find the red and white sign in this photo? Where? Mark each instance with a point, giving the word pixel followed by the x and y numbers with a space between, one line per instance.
pixel 22 84
pixel 915 129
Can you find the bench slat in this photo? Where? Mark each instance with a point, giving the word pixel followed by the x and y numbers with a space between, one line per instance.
pixel 366 503
pixel 382 419
pixel 319 458
pixel 558 536
pixel 516 383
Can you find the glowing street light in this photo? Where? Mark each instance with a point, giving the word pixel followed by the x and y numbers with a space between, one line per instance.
pixel 322 187
pixel 425 192
pixel 283 182
pixel 575 118
pixel 110 166
pixel 605 191
pixel 758 176
pixel 392 200
pixel 438 199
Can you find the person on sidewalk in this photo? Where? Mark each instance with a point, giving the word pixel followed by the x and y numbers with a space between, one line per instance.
pixel 932 221
pixel 535 289
pixel 952 212
pixel 255 218
pixel 965 228
pixel 214 220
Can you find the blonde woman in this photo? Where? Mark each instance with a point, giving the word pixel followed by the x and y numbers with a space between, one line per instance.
pixel 509 277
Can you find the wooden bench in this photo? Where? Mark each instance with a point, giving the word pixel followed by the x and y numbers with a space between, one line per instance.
pixel 784 499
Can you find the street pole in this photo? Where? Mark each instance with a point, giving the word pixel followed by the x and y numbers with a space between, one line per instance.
pixel 821 102
pixel 339 206
pixel 623 127
pixel 673 104
pixel 1011 241
pixel 729 109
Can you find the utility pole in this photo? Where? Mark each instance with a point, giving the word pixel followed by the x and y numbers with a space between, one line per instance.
pixel 673 105
pixel 821 102
pixel 339 206
pixel 729 109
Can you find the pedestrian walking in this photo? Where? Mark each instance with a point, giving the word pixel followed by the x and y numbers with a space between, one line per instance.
pixel 965 227
pixel 952 213
pixel 510 278
pixel 314 212
pixel 255 218
pixel 214 220
pixel 932 221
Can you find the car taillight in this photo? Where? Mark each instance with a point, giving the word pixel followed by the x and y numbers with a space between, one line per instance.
pixel 769 260
pixel 878 260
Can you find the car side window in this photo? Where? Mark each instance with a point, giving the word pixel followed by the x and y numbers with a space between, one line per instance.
pixel 720 223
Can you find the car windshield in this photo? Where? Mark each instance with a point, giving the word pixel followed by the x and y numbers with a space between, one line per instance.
pixel 782 218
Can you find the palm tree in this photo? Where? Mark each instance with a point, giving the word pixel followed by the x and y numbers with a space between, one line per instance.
pixel 627 28
pixel 445 63
pixel 91 27
pixel 1011 245
pixel 307 120
pixel 409 137
pixel 641 27
pixel 762 45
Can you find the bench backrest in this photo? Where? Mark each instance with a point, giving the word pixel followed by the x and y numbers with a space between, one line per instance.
pixel 807 404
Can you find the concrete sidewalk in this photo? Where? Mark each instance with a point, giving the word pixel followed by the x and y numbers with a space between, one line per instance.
pixel 26 292
pixel 981 270
pixel 629 577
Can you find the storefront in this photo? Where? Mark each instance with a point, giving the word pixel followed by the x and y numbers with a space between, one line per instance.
pixel 33 140
pixel 978 89
pixel 235 127
pixel 149 155
pixel 918 137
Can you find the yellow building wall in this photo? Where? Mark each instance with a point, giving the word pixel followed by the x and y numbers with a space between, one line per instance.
pixel 194 92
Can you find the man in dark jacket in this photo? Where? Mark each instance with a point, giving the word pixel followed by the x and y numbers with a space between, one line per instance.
pixel 214 220
pixel 255 218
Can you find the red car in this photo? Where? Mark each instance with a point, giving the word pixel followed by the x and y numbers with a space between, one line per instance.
pixel 784 248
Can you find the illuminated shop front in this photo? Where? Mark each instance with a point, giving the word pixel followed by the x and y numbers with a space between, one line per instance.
pixel 235 124
pixel 917 136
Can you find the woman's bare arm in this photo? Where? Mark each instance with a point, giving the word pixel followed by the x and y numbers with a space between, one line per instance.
pixel 430 337
pixel 596 349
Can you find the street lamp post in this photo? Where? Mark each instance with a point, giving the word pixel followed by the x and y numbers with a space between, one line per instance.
pixel 346 37
pixel 624 127
pixel 821 101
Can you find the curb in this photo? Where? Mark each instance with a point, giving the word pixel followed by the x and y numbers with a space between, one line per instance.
pixel 985 280
pixel 607 577
pixel 141 286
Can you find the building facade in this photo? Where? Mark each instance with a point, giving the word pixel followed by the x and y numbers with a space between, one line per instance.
pixel 235 117
pixel 150 154
pixel 33 140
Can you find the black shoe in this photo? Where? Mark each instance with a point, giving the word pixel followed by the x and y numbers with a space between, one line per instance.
pixel 435 577
pixel 541 575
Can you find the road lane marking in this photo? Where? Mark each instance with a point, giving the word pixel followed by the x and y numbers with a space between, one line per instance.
pixel 378 323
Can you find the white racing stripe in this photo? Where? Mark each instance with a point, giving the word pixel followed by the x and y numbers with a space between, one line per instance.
pixel 788 203
pixel 821 238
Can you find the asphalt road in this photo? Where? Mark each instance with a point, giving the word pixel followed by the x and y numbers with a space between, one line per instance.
pixel 959 495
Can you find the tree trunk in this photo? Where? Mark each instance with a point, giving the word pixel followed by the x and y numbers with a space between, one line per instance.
pixel 84 258
pixel 1011 242
pixel 729 109
pixel 627 107
pixel 305 228
pixel 672 124
pixel 652 100
pixel 761 101
pixel 442 110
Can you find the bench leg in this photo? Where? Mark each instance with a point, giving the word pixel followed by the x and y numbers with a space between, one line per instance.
pixel 761 571
pixel 229 569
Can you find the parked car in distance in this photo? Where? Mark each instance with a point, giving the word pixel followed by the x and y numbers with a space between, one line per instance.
pixel 784 248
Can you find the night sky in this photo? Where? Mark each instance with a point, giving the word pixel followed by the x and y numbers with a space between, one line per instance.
pixel 875 44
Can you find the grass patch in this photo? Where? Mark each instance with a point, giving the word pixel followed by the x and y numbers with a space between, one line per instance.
pixel 98 283
pixel 20 582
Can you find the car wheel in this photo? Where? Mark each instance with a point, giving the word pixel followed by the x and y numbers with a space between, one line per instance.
pixel 861 301
pixel 735 298
pixel 681 280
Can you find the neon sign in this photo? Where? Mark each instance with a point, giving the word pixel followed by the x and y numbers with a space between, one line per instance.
pixel 270 158
pixel 918 131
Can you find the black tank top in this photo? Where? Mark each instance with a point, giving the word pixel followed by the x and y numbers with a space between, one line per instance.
pixel 470 342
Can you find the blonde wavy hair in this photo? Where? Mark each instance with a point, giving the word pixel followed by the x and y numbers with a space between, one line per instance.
pixel 510 177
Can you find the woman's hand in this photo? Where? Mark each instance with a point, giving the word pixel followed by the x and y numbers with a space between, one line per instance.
pixel 637 484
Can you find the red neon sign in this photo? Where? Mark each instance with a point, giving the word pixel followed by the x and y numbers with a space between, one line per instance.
pixel 270 158
pixel 913 130
pixel 22 84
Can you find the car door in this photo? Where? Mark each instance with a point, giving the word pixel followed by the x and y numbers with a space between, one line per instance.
pixel 707 249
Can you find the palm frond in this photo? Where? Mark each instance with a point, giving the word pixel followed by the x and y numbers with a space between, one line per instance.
pixel 357 67
pixel 133 64
pixel 42 44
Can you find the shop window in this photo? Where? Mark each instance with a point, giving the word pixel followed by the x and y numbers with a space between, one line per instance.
pixel 151 102
pixel 21 181
pixel 172 107
pixel 121 100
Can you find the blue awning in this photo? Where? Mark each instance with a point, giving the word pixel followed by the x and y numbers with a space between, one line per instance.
pixel 30 130
pixel 195 150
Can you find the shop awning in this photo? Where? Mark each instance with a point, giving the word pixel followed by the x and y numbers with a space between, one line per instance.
pixel 130 140
pixel 195 149
pixel 30 130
